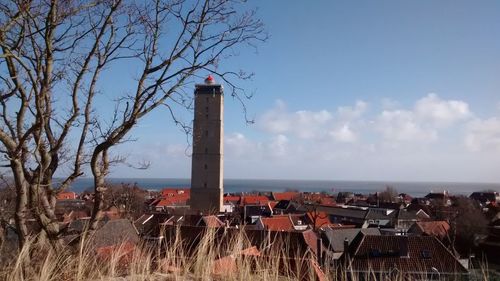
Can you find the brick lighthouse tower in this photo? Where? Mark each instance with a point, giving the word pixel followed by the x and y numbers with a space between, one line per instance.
pixel 207 160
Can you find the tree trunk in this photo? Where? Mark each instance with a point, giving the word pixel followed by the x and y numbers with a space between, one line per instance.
pixel 21 202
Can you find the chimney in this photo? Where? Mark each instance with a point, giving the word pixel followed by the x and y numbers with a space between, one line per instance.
pixel 319 251
pixel 346 245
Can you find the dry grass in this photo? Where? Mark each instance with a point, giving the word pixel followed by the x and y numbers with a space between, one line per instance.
pixel 209 260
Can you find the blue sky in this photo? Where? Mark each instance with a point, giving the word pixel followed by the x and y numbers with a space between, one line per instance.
pixel 355 90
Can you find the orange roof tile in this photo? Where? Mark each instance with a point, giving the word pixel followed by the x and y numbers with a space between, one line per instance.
pixel 278 223
pixel 65 195
pixel 434 228
pixel 174 192
pixel 290 195
pixel 254 200
pixel 233 199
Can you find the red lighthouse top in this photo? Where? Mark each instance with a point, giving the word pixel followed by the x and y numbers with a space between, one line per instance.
pixel 210 80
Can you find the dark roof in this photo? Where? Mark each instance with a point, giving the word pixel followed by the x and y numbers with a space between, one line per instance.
pixel 115 232
pixel 380 213
pixel 407 215
pixel 257 210
pixel 336 237
pixel 411 254
pixel 439 195
pixel 343 212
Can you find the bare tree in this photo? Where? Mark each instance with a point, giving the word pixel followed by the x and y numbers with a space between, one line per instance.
pixel 389 195
pixel 54 55
pixel 129 199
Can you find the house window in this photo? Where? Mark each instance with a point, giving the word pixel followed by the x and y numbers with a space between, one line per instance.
pixel 206 150
pixel 206 133
pixel 206 166
pixel 205 184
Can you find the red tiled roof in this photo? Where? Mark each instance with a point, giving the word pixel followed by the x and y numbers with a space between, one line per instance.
pixel 65 195
pixel 170 201
pixel 174 192
pixel 254 200
pixel 311 240
pixel 212 221
pixel 321 218
pixel 290 195
pixel 328 201
pixel 278 223
pixel 233 199
pixel 434 228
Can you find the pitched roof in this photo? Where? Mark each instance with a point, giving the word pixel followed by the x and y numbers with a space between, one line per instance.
pixel 319 219
pixel 232 199
pixel 336 237
pixel 414 254
pixel 290 195
pixel 278 223
pixel 344 212
pixel 211 221
pixel 172 192
pixel 65 195
pixel 254 200
pixel 433 228
pixel 115 232
pixel 380 213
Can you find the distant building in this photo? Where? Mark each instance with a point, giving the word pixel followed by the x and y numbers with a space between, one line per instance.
pixel 207 158
pixel 485 197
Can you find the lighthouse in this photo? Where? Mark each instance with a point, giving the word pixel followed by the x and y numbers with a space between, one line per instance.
pixel 207 168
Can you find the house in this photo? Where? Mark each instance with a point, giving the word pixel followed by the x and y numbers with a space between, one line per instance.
pixel 345 215
pixel 66 195
pixel 254 200
pixel 380 217
pixel 234 199
pixel 440 198
pixel 252 212
pixel 210 221
pixel 485 197
pixel 405 219
pixel 336 238
pixel 147 225
pixel 438 229
pixel 320 220
pixel 114 233
pixel 401 257
pixel 289 195
pixel 281 223
pixel 286 207
pixel 344 197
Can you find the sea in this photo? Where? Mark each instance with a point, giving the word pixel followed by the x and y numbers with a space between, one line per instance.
pixel 415 189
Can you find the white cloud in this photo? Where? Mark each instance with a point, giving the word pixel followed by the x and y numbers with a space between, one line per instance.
pixel 401 125
pixel 483 134
pixel 344 134
pixel 313 125
pixel 349 112
pixel 237 145
pixel 431 139
pixel 424 121
pixel 441 113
